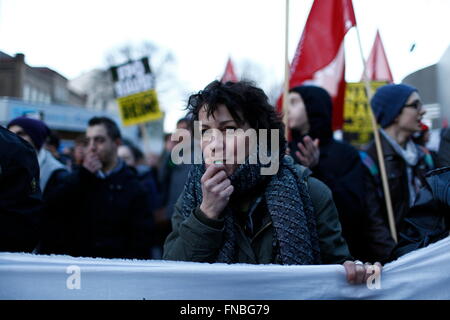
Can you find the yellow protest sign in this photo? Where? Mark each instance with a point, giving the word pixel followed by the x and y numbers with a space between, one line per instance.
pixel 139 108
pixel 357 128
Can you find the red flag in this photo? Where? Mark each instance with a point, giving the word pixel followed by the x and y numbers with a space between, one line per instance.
pixel 229 74
pixel 319 58
pixel 377 65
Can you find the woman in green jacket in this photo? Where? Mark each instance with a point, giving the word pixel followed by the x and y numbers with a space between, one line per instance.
pixel 246 201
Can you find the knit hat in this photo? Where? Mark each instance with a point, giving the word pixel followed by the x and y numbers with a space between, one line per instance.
pixel 36 129
pixel 388 102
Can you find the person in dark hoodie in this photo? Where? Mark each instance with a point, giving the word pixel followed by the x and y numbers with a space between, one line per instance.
pixel 35 132
pixel 20 195
pixel 335 163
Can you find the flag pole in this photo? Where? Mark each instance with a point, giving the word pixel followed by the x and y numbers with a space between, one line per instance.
pixel 376 133
pixel 286 72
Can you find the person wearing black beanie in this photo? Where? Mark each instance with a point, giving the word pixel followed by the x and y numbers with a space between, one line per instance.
pixel 31 130
pixel 52 173
pixel 35 132
pixel 335 163
pixel 398 110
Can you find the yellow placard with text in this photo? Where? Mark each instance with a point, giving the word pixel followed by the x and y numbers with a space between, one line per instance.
pixel 139 108
pixel 357 128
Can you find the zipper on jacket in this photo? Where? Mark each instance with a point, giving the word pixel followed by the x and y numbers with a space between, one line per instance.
pixel 261 230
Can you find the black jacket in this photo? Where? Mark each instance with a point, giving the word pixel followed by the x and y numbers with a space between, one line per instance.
pixel 429 219
pixel 97 217
pixel 20 196
pixel 147 178
pixel 444 148
pixel 339 167
pixel 378 232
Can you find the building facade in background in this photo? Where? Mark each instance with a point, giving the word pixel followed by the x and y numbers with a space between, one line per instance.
pixel 35 84
pixel 443 76
pixel 432 83
pixel 65 105
pixel 44 93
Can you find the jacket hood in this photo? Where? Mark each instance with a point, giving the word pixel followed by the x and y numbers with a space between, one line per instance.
pixel 319 110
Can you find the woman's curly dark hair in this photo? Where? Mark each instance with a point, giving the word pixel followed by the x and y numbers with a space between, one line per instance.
pixel 244 101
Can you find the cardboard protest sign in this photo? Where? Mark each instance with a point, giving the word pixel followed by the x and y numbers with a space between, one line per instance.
pixel 357 128
pixel 135 91
pixel 139 108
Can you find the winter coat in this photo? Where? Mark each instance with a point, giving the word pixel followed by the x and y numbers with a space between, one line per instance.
pixel 20 195
pixel 378 232
pixel 97 217
pixel 198 238
pixel 147 178
pixel 428 220
pixel 444 148
pixel 172 178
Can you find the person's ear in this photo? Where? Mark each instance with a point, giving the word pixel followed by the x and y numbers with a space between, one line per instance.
pixel 118 142
pixel 397 119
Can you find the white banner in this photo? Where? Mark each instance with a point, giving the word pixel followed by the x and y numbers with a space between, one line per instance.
pixel 423 274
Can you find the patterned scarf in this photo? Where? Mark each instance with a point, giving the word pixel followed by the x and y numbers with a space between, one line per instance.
pixel 287 200
pixel 411 156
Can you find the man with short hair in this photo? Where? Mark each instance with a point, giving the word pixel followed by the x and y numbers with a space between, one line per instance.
pixel 106 211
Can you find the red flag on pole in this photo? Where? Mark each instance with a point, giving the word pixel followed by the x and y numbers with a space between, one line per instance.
pixel 377 65
pixel 319 58
pixel 229 74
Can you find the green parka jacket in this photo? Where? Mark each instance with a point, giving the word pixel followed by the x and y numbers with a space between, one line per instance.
pixel 199 238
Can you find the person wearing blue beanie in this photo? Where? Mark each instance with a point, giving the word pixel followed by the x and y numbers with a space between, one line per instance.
pixel 398 109
pixel 389 101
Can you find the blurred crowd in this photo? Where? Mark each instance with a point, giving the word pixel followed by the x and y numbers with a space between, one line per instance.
pixel 104 197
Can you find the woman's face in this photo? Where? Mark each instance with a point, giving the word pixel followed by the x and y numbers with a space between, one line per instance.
pixel 217 145
pixel 410 118
pixel 297 116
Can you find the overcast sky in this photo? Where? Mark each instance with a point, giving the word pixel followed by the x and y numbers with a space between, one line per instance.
pixel 73 36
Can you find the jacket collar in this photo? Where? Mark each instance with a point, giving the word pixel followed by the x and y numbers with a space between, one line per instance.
pixel 388 149
pixel 120 164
